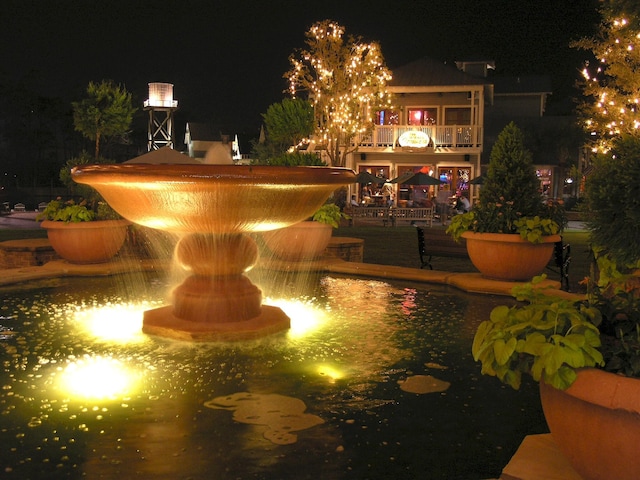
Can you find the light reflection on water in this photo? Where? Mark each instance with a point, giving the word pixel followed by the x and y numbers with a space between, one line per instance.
pixel 352 343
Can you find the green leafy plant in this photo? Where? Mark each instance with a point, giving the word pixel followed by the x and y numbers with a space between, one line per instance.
pixel 548 338
pixel 71 211
pixel 330 214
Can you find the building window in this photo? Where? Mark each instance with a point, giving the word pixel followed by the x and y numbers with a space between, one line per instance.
pixel 457 116
pixel 387 117
pixel 422 116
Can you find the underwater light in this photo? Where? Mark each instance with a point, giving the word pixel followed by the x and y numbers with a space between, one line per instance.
pixel 305 317
pixel 98 378
pixel 120 323
pixel 330 372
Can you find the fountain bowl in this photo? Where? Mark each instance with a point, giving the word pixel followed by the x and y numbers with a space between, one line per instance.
pixel 217 199
pixel 212 208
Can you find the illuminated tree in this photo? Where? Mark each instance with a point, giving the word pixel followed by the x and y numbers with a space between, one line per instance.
pixel 346 83
pixel 106 112
pixel 611 85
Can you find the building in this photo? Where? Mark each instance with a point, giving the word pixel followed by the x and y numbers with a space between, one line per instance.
pixel 437 127
pixel 446 120
pixel 200 137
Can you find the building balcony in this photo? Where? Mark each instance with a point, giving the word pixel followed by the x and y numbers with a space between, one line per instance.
pixel 445 138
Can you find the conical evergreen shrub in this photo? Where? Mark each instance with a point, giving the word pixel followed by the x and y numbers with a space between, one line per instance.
pixel 511 176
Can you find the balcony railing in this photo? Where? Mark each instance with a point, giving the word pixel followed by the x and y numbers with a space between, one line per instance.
pixel 446 136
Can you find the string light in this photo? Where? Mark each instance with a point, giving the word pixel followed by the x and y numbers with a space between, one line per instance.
pixel 346 83
pixel 614 84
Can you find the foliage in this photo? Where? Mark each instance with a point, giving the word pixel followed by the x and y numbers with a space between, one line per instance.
pixel 77 189
pixel 91 200
pixel 548 338
pixel 288 124
pixel 611 202
pixel 293 159
pixel 330 214
pixel 511 174
pixel 533 229
pixel 106 112
pixel 616 293
pixel 71 211
pixel 509 198
pixel 610 85
pixel 345 80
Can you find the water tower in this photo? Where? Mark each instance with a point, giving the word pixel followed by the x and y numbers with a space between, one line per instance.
pixel 160 106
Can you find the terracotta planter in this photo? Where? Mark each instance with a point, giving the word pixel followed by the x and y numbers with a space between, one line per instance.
pixel 504 256
pixel 298 242
pixel 86 242
pixel 596 424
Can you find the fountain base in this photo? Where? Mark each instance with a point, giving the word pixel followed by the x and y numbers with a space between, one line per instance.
pixel 162 322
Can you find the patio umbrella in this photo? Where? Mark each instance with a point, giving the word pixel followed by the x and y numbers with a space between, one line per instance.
pixel 479 180
pixel 367 177
pixel 411 178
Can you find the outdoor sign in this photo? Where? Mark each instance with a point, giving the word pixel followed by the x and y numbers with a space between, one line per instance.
pixel 414 139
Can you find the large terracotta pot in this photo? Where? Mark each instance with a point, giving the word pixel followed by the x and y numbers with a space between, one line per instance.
pixel 504 256
pixel 596 424
pixel 299 242
pixel 86 242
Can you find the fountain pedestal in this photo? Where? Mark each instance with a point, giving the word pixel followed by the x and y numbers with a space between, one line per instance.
pixel 217 301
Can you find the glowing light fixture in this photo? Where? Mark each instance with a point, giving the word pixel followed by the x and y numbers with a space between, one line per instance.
pixel 119 323
pixel 330 372
pixel 97 378
pixel 305 318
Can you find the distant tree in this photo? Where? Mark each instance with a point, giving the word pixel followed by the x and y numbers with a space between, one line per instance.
pixel 346 82
pixel 611 85
pixel 106 112
pixel 287 124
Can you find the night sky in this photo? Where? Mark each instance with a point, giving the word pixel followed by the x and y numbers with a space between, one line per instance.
pixel 226 58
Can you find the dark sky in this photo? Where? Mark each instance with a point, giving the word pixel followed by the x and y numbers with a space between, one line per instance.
pixel 226 58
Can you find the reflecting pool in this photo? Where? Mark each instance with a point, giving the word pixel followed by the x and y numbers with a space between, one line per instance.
pixel 374 380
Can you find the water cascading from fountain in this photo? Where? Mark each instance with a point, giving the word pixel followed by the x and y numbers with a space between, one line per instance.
pixel 213 207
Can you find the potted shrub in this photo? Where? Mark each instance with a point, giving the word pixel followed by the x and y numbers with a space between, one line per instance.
pixel 305 240
pixel 80 234
pixel 510 232
pixel 584 350
pixel 86 231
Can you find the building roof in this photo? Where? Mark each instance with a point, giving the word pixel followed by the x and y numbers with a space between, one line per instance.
pixel 205 132
pixel 523 84
pixel 429 72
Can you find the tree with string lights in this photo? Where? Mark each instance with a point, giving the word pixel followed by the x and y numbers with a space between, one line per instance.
pixel 346 82
pixel 611 84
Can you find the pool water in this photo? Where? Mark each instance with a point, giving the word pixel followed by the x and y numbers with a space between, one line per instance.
pixel 374 380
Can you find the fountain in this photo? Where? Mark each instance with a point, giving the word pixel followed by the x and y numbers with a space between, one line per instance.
pixel 374 379
pixel 213 207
